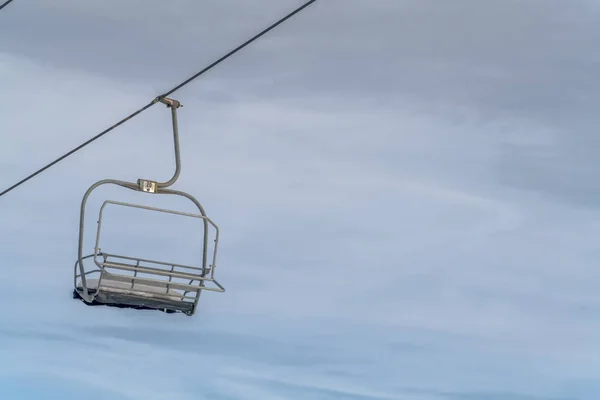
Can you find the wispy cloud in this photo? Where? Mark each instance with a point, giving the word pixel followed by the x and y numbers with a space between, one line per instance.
pixel 405 191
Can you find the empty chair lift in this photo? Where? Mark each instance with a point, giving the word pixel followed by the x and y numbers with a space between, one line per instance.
pixel 133 282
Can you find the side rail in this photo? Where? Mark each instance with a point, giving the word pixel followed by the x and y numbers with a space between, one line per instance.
pixel 78 267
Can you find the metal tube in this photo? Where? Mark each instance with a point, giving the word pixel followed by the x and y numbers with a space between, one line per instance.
pixel 153 271
pixel 205 244
pixel 151 261
pixel 163 210
pixel 173 104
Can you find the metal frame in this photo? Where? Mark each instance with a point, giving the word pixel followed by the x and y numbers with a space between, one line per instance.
pixel 134 296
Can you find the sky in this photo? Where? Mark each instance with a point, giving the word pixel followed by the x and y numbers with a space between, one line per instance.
pixel 405 190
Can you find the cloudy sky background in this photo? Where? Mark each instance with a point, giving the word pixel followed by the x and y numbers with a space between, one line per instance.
pixel 406 190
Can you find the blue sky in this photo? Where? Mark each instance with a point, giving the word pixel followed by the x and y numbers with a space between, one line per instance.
pixel 406 193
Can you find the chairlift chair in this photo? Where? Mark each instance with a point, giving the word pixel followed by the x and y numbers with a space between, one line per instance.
pixel 133 282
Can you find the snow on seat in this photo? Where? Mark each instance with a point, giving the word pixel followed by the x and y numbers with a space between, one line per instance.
pixel 135 289
pixel 140 283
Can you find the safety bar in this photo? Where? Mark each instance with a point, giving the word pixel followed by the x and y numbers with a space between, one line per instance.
pixel 109 255
pixel 152 271
pixel 170 274
pixel 213 265
pixel 107 260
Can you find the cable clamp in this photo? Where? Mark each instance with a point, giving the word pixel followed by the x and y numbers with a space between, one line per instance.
pixel 147 185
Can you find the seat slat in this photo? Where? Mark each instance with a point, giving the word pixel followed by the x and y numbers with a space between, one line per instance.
pixel 122 284
pixel 149 282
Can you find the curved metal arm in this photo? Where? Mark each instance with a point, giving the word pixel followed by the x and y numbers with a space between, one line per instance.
pixel 173 105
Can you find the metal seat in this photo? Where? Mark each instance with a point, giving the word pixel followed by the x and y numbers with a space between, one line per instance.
pixel 133 282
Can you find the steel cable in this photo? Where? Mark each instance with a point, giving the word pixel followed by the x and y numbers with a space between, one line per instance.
pixel 157 99
pixel 7 2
